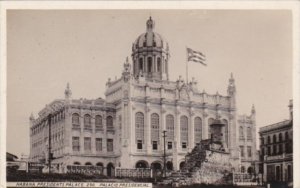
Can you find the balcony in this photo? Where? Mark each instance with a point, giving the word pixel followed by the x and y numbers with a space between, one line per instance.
pixel 98 129
pixel 88 129
pixel 141 150
pixel 110 130
pixel 278 157
pixel 76 127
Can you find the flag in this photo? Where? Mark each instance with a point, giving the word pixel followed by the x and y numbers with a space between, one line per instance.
pixel 195 56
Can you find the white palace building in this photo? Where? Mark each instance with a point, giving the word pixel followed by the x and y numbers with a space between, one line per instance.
pixel 125 129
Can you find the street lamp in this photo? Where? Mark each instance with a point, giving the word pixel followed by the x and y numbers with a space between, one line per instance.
pixel 164 137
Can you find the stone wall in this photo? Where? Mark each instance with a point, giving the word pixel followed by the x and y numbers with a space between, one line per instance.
pixel 208 163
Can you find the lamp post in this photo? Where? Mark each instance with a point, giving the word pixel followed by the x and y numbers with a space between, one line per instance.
pixel 164 136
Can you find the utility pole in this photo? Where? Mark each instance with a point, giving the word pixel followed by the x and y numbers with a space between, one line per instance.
pixel 164 136
pixel 49 149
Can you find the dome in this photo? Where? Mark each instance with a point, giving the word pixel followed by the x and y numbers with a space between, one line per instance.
pixel 150 55
pixel 150 38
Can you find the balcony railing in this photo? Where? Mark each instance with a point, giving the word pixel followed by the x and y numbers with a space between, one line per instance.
pixel 277 157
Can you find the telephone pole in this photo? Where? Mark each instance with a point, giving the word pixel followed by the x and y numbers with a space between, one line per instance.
pixel 164 136
pixel 49 149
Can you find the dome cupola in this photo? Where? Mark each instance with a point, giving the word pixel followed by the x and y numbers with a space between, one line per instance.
pixel 150 54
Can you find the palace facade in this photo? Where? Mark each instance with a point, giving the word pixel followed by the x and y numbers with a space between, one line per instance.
pixel 125 129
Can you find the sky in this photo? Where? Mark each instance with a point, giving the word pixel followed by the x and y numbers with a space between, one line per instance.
pixel 46 49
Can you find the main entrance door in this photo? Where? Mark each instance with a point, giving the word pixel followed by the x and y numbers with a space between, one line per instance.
pixel 110 170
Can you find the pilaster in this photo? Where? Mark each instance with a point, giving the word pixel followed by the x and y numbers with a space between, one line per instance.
pixel 191 130
pixel 81 120
pixel 205 124
pixel 163 125
pixel 148 129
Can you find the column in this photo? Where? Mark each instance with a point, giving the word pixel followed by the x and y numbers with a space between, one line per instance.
pixel 148 128
pixel 176 139
pixel 177 129
pixel 81 114
pixel 265 171
pixel 93 138
pixel 205 125
pixel 162 126
pixel 67 131
pixel 104 139
pixel 191 130
pixel 232 131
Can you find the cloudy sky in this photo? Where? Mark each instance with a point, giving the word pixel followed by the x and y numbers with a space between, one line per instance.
pixel 46 49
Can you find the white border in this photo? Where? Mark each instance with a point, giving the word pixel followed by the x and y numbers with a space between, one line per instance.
pixel 89 5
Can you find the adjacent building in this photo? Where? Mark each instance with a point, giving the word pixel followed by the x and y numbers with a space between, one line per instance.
pixel 276 150
pixel 247 142
pixel 125 129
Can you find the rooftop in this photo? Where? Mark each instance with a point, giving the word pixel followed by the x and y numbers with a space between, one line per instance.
pixel 275 126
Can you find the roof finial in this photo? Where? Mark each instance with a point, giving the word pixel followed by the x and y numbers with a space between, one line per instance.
pixel 150 24
pixel 31 118
pixel 253 109
pixel 68 92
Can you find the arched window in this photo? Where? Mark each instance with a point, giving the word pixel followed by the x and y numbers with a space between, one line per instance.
pixel 242 169
pixel 170 127
pixel 154 127
pixel 158 64
pixel 87 121
pixel 274 138
pixel 184 131
pixel 280 137
pixel 149 61
pixel 98 122
pixel 99 164
pixel 241 132
pixel 141 63
pixel 286 136
pixel 139 127
pixel 75 120
pixel 76 163
pixel 269 139
pixel 262 141
pixel 249 133
pixel 88 164
pixel 198 129
pixel 109 122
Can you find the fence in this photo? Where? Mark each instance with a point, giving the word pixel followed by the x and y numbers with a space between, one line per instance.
pixel 134 172
pixel 244 179
pixel 81 169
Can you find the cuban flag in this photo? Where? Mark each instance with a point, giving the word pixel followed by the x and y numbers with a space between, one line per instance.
pixel 195 56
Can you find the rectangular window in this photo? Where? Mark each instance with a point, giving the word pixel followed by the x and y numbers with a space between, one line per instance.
pixel 269 151
pixel 110 145
pixel 242 151
pixel 87 144
pixel 249 151
pixel 170 145
pixel 139 144
pixel 154 145
pixel 75 144
pixel 183 145
pixel 98 144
